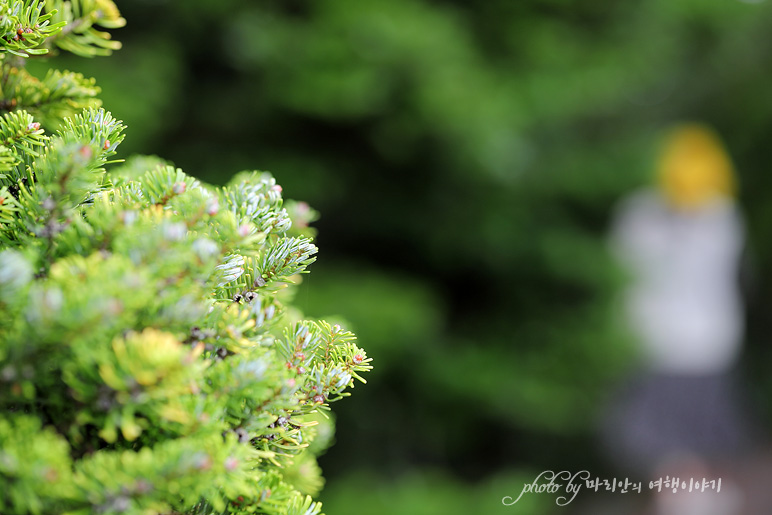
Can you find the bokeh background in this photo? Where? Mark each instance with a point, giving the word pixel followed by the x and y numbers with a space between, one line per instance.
pixel 466 158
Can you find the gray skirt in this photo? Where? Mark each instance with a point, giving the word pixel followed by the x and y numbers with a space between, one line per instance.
pixel 656 416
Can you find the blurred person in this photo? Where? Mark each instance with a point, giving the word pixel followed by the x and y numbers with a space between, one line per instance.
pixel 682 243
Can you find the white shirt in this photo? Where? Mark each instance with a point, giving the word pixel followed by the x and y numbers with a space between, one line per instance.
pixel 684 303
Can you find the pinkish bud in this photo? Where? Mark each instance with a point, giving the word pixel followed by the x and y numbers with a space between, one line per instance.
pixel 231 464
pixel 276 188
pixel 33 126
pixel 244 230
pixel 179 188
pixel 106 145
pixel 212 207
pixel 203 462
pixel 357 359
pixel 319 398
pixel 51 475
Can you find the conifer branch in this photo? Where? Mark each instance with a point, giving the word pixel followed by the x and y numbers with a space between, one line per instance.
pixel 148 360
pixel 80 19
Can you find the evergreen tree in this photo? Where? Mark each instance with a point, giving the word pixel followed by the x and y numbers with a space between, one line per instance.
pixel 150 357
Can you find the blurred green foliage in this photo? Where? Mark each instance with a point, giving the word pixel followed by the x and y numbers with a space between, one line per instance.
pixel 408 494
pixel 465 158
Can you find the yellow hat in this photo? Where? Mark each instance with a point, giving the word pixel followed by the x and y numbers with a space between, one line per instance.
pixel 694 168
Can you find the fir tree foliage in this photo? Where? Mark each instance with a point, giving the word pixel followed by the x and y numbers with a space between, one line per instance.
pixel 42 27
pixel 150 358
